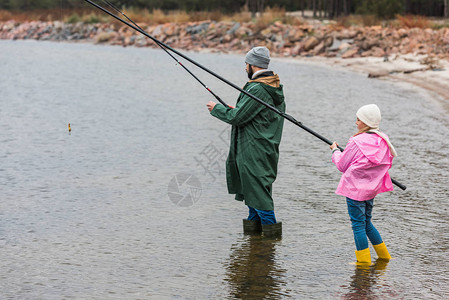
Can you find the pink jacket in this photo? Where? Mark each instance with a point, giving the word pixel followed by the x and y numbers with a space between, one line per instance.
pixel 365 164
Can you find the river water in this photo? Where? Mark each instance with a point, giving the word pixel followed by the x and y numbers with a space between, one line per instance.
pixel 132 204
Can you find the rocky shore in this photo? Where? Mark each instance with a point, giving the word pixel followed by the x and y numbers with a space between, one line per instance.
pixel 377 51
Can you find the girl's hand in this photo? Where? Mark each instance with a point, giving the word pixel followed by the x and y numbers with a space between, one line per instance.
pixel 333 146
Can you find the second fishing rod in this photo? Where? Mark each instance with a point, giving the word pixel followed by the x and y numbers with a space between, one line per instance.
pixel 166 47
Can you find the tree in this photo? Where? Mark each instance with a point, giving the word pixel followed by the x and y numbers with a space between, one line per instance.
pixel 446 9
pixel 381 8
pixel 255 6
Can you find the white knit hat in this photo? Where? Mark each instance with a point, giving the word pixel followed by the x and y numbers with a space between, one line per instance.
pixel 370 115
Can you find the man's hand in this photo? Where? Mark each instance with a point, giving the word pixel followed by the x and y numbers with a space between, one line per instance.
pixel 210 105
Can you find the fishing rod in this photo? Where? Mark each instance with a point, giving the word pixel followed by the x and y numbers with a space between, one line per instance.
pixel 160 44
pixel 166 47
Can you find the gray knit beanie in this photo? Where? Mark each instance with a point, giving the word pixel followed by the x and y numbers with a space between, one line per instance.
pixel 259 57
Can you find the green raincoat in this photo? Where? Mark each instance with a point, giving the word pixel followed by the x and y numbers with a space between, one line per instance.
pixel 251 167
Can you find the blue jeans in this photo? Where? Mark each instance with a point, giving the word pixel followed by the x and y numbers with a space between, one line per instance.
pixel 360 213
pixel 265 216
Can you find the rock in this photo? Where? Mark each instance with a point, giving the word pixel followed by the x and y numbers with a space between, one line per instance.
pixel 170 30
pixel 344 46
pixel 157 31
pixel 310 43
pixel 266 32
pixel 243 32
pixel 288 40
pixel 296 50
pixel 350 53
pixel 318 49
pixel 379 73
pixel 369 43
pixel 347 34
pixel 328 41
pixel 105 37
pixel 234 28
pixel 377 52
pixel 197 28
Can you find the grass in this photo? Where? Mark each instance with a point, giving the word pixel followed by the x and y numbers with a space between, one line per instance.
pixel 47 15
pixel 157 16
pixel 410 21
pixel 261 21
pixel 358 20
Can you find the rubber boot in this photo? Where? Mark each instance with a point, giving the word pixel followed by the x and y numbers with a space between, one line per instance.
pixel 382 251
pixel 363 257
pixel 250 227
pixel 272 230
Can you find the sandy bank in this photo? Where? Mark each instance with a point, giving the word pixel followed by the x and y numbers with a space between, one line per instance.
pixel 409 68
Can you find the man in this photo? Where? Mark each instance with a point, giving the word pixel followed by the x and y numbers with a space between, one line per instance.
pixel 251 167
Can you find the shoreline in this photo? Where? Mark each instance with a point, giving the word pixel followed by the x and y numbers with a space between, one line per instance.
pixel 419 57
pixel 403 69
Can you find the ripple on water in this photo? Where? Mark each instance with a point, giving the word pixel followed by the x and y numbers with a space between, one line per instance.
pixel 87 215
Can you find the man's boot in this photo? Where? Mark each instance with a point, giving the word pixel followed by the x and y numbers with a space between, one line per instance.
pixel 251 227
pixel 272 230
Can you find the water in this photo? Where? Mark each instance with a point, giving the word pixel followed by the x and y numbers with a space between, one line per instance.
pixel 87 215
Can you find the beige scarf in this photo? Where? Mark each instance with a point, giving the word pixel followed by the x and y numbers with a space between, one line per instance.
pixel 382 135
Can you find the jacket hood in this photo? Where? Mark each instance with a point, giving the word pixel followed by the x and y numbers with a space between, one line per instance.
pixel 273 86
pixel 374 148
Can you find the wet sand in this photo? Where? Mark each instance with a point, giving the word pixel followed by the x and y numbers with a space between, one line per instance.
pixel 405 68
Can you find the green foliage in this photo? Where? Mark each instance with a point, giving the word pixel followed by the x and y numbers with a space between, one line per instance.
pixel 381 8
pixel 91 19
pixel 75 18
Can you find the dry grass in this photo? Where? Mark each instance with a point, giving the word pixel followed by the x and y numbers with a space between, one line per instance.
pixel 156 16
pixel 410 21
pixel 5 15
pixel 87 16
pixel 358 20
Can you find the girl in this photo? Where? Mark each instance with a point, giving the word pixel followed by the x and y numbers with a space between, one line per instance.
pixel 365 163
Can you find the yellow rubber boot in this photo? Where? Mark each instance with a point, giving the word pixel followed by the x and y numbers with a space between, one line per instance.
pixel 363 257
pixel 382 251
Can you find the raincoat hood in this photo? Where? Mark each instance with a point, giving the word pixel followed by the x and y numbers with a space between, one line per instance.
pixel 373 147
pixel 273 86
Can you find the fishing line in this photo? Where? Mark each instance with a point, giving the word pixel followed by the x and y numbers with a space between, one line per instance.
pixel 162 46
pixel 165 47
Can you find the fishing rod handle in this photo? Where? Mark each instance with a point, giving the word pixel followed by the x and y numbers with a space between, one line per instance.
pixel 400 185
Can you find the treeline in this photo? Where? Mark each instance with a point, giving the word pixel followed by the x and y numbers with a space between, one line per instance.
pixel 320 8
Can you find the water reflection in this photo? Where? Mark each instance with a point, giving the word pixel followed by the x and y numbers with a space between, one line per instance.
pixel 366 279
pixel 253 272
